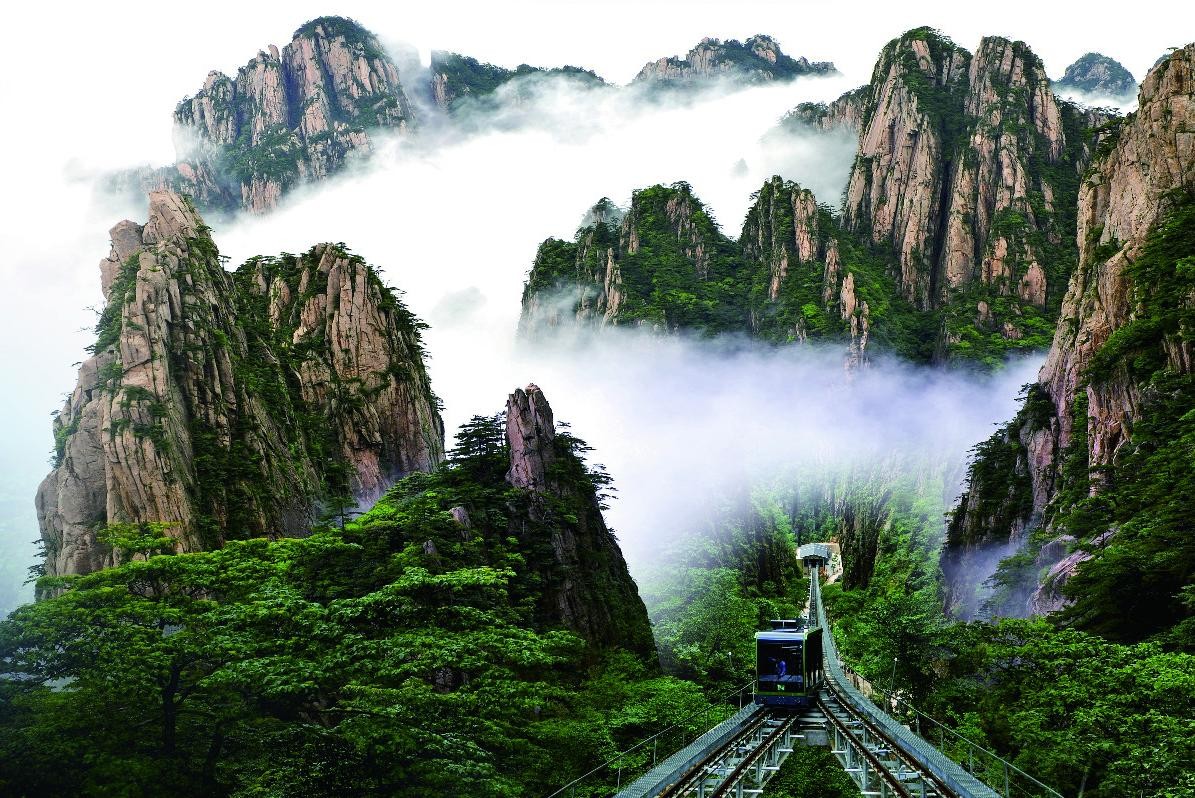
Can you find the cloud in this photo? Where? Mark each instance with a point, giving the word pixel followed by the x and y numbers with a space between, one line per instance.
pixel 682 422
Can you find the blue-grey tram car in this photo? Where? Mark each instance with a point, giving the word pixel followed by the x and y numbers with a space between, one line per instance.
pixel 788 664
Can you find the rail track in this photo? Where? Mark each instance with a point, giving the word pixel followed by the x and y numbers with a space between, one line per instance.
pixel 739 756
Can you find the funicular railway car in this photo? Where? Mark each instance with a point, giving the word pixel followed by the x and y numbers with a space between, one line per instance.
pixel 788 664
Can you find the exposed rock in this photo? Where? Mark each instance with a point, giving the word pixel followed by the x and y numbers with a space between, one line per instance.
pixel 1153 156
pixel 530 434
pixel 756 60
pixel 461 516
pixel 231 406
pixel 1047 597
pixel 786 279
pixel 791 244
pixel 845 113
pixel 289 116
pixel 1146 164
pixel 964 165
pixel 1099 76
pixel 456 77
pixel 586 584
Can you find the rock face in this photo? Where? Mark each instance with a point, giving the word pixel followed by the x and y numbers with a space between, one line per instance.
pixel 1122 340
pixel 845 113
pixel 793 275
pixel 756 60
pixel 801 287
pixel 456 77
pixel 232 405
pixel 288 117
pixel 639 268
pixel 1099 76
pixel 586 584
pixel 965 168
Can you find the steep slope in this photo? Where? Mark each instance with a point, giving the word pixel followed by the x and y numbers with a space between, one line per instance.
pixel 759 59
pixel 845 113
pixel 958 219
pixel 288 117
pixel 218 406
pixel 1100 76
pixel 793 275
pixel 584 579
pixel 482 606
pixel 967 169
pixel 1096 461
pixel 663 264
pixel 455 77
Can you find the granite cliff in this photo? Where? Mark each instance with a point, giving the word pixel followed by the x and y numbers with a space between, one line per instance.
pixel 1083 482
pixel 288 117
pixel 584 579
pixel 968 170
pixel 221 405
pixel 759 59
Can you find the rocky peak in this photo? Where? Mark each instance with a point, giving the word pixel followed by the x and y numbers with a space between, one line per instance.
pixel 793 275
pixel 967 167
pixel 289 116
pixel 224 406
pixel 1152 160
pixel 1120 361
pixel 757 60
pixel 1099 76
pixel 586 584
pixel 845 113
pixel 531 436
pixel 606 275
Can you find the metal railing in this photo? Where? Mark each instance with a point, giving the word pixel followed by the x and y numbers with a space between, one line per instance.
pixel 978 760
pixel 981 766
pixel 626 765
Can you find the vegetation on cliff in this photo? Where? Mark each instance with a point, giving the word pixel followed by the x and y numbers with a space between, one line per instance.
pixel 409 647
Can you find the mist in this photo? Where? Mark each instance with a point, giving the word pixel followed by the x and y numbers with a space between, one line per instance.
pixel 456 225
pixel 678 421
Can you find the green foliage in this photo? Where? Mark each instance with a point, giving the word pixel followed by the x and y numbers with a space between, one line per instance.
pixel 668 282
pixel 403 651
pixel 62 433
pixel 811 772
pixel 1141 502
pixel 466 77
pixel 143 539
pixel 1000 490
pixel 108 327
pixel 942 104
pixel 275 157
pixel 1080 713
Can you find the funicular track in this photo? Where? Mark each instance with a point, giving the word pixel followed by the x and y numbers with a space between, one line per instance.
pixel 737 757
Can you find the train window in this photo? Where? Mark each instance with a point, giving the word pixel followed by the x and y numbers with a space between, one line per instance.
pixel 779 666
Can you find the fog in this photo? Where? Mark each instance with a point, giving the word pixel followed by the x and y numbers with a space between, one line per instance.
pixel 675 420
pixel 456 225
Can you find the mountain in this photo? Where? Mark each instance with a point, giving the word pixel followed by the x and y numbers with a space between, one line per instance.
pixel 584 579
pixel 1090 483
pixel 456 77
pixel 759 59
pixel 845 113
pixel 968 168
pixel 1099 75
pixel 288 117
pixel 794 275
pixel 221 405
pixel 480 606
pixel 958 217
